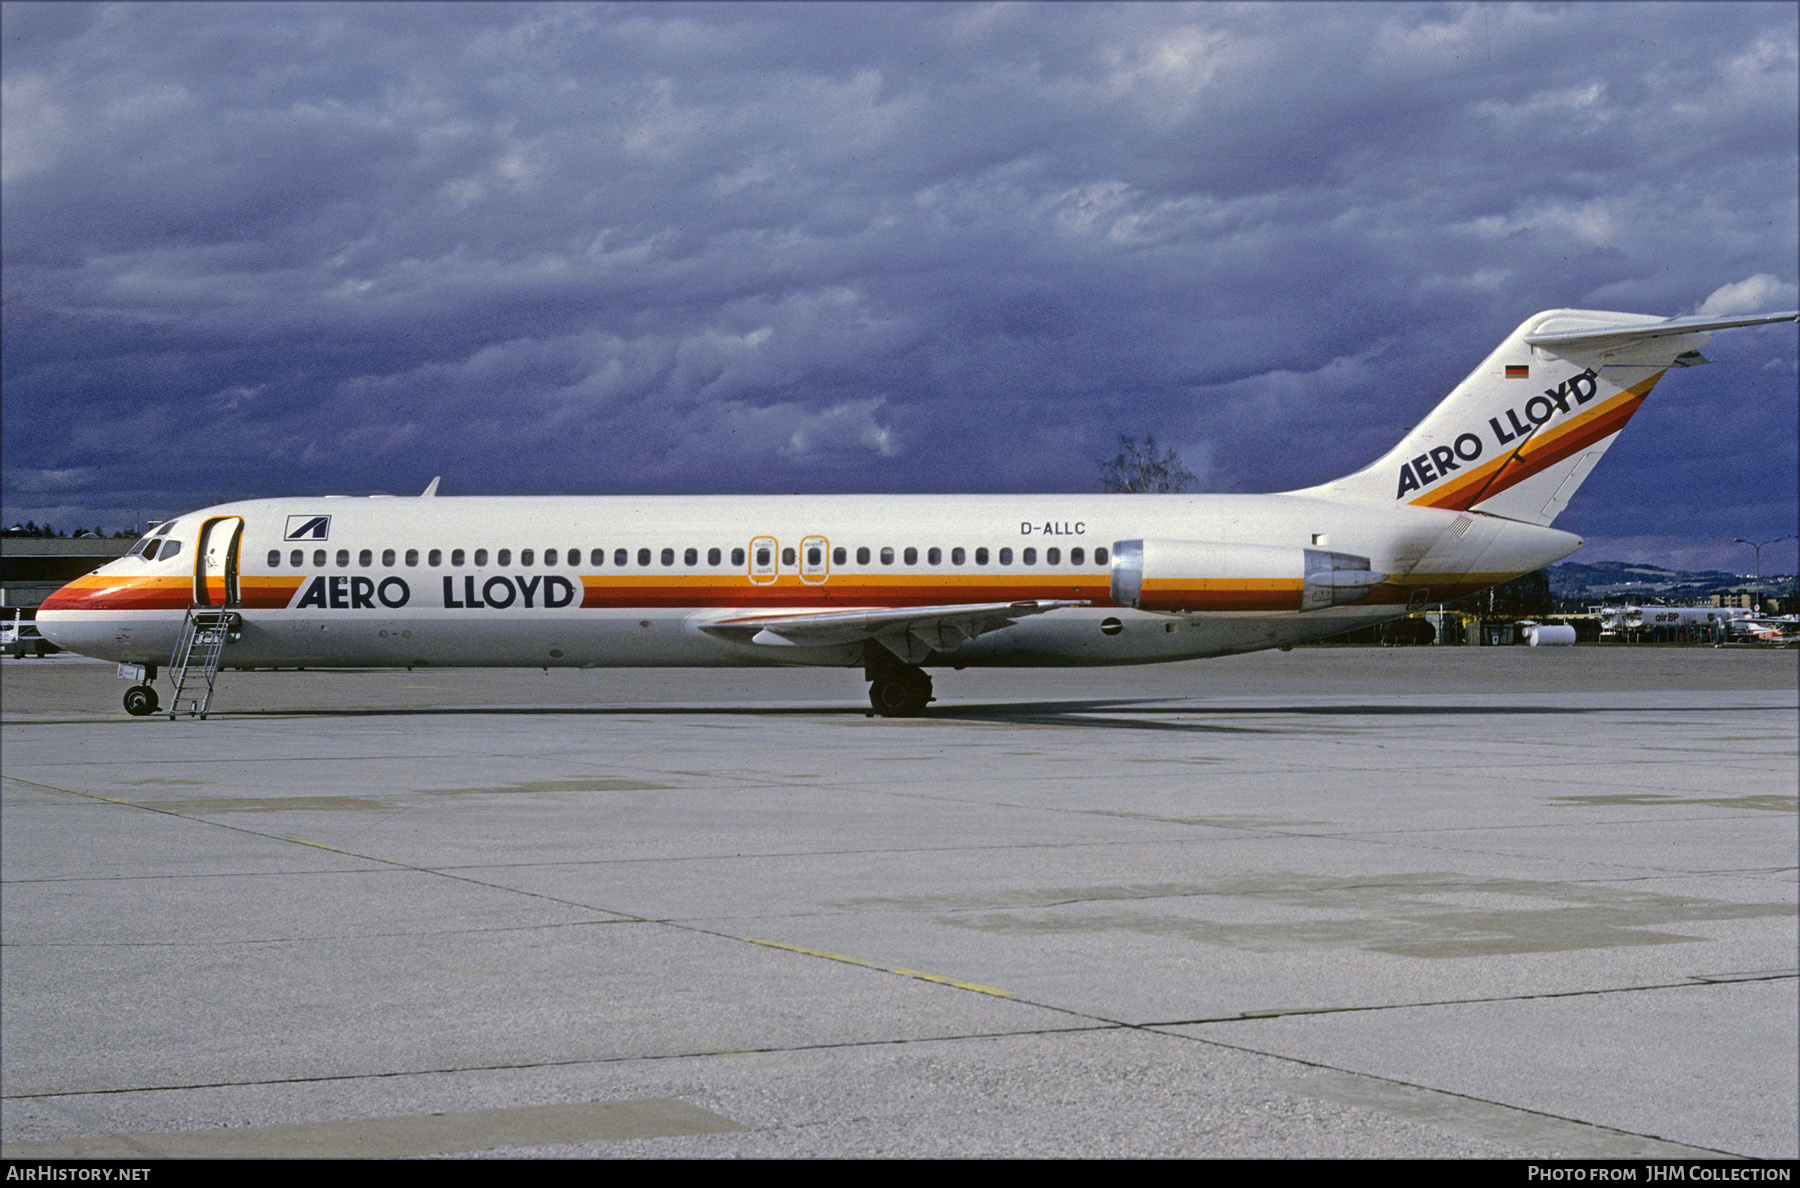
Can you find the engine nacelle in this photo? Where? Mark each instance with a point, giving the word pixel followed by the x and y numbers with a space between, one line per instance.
pixel 1204 575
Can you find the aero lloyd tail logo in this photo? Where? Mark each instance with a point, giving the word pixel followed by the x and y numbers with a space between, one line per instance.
pixel 308 528
pixel 1505 430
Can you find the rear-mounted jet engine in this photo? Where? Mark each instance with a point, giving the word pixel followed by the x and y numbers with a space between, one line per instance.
pixel 1203 575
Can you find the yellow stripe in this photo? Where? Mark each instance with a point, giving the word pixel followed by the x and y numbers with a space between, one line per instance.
pixel 893 969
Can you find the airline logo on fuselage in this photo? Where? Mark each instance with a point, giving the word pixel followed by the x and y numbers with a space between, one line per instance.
pixel 308 528
pixel 345 591
pixel 1505 430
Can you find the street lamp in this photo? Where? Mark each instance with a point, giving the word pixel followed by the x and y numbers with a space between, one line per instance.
pixel 1758 546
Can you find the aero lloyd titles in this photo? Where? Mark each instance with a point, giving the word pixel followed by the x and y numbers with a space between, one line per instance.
pixel 465 591
pixel 1439 461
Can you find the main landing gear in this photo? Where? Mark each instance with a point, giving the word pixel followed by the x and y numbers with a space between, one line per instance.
pixel 898 690
pixel 140 700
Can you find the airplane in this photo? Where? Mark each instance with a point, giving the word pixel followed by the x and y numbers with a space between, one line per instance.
pixel 1781 629
pixel 894 584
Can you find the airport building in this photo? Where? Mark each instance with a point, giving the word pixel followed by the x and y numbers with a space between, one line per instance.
pixel 34 567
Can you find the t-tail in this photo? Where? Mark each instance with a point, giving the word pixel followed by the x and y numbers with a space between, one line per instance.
pixel 1518 436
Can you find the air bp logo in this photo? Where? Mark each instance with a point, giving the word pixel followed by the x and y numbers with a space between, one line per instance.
pixel 308 528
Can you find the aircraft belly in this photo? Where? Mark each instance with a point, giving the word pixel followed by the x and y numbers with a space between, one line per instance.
pixel 1074 638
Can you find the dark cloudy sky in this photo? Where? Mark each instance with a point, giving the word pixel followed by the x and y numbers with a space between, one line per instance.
pixel 270 249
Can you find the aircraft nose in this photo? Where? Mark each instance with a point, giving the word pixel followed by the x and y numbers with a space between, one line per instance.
pixel 53 626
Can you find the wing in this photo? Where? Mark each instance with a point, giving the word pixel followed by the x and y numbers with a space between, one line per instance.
pixel 911 633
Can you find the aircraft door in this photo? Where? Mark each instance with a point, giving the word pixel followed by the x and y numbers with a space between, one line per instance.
pixel 815 560
pixel 765 560
pixel 216 561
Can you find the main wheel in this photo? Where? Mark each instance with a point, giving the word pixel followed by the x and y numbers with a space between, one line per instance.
pixel 140 701
pixel 901 693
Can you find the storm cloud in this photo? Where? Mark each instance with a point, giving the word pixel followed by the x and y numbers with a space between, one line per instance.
pixel 270 249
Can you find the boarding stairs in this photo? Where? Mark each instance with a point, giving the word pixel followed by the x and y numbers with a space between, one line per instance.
pixel 194 666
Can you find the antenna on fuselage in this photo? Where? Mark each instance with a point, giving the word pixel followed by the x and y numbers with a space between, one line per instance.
pixel 431 490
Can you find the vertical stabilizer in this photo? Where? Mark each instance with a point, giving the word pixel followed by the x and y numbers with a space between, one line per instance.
pixel 1521 433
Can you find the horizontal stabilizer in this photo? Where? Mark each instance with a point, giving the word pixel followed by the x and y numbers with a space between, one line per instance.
pixel 1605 338
pixel 911 633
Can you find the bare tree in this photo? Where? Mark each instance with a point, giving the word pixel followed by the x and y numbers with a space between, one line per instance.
pixel 1138 468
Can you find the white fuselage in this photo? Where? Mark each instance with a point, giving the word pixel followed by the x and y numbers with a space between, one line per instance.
pixel 623 581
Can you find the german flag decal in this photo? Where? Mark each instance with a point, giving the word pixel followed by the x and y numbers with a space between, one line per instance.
pixel 1517 371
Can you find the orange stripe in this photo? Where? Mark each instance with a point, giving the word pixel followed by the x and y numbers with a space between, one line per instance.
pixel 873 590
pixel 107 592
pixel 1221 594
pixel 96 593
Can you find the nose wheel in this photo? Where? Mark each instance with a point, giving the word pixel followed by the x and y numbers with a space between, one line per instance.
pixel 900 692
pixel 140 701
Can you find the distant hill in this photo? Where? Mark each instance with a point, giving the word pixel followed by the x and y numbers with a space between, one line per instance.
pixel 1615 580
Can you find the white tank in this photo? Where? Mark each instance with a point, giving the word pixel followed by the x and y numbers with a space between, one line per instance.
pixel 1550 636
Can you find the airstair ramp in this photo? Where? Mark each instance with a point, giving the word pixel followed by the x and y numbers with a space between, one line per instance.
pixel 206 631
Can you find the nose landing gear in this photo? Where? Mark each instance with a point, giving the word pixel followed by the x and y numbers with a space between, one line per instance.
pixel 140 700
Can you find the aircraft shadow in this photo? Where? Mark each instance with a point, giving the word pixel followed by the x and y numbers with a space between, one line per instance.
pixel 1128 713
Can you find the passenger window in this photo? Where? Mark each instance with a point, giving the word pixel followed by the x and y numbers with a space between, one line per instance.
pixel 862 555
pixel 787 555
pixel 387 556
pixel 957 556
pixel 737 556
pixel 887 556
pixel 762 558
pixel 981 556
pixel 621 557
pixel 934 557
pixel 1029 557
pixel 525 556
pixel 456 557
pixel 412 558
pixel 713 556
pixel 296 558
pixel 643 556
pixel 504 557
pixel 434 558
pixel 691 557
pixel 911 556
pixel 575 557
pixel 840 555
pixel 318 558
pixel 343 559
pixel 1006 556
pixel 815 556
pixel 1053 556
pixel 668 556
pixel 1100 556
pixel 274 558
pixel 1076 557
pixel 365 558
pixel 480 557
pixel 549 556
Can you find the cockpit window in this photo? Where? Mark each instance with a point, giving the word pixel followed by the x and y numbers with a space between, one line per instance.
pixel 169 549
